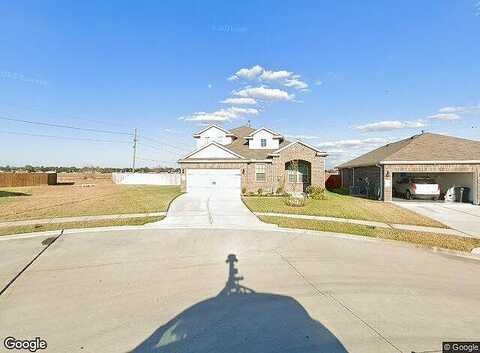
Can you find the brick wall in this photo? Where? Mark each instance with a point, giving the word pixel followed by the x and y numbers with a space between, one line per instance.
pixel 298 152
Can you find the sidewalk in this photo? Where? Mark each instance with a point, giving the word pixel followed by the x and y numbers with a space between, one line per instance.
pixel 445 231
pixel 78 219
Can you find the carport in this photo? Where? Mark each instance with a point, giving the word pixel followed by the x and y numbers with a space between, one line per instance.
pixel 451 161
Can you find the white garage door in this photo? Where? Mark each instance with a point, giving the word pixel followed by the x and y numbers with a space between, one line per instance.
pixel 211 180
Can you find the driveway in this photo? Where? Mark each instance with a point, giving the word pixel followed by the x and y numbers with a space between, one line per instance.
pixel 463 217
pixel 164 290
pixel 211 209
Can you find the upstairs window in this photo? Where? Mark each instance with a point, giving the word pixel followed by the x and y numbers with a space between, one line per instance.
pixel 260 174
pixel 263 142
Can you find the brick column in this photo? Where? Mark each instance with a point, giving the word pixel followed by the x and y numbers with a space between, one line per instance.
pixel 387 183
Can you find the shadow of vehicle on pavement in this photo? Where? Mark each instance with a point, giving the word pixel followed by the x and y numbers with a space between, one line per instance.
pixel 241 320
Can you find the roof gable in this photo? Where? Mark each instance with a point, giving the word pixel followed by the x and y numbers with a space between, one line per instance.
pixel 212 151
pixel 253 133
pixel 301 143
pixel 213 126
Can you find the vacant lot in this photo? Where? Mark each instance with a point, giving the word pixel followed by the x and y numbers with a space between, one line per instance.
pixel 343 206
pixel 420 238
pixel 83 195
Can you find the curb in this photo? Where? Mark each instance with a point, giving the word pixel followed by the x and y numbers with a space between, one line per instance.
pixel 474 254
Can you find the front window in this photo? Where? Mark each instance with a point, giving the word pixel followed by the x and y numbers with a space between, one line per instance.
pixel 263 142
pixel 299 173
pixel 260 172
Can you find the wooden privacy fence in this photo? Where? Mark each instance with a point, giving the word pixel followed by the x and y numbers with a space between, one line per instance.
pixel 27 179
pixel 332 181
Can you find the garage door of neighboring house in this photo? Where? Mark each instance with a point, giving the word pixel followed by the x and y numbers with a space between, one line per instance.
pixel 214 180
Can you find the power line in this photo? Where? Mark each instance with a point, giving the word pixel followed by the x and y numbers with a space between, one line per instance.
pixel 65 126
pixel 160 143
pixel 62 137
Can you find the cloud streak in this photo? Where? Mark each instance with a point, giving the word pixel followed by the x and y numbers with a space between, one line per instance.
pixel 282 77
pixel 388 125
pixel 264 93
pixel 221 115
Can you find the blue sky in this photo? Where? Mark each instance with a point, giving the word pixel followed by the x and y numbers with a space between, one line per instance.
pixel 347 76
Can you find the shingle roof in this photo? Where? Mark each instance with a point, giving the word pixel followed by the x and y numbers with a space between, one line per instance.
pixel 240 144
pixel 423 147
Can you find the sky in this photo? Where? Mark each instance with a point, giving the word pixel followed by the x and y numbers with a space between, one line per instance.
pixel 345 76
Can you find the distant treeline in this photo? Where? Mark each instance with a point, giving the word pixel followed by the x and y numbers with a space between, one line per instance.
pixel 30 168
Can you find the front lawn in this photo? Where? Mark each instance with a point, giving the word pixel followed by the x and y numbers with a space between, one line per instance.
pixel 421 238
pixel 83 198
pixel 343 206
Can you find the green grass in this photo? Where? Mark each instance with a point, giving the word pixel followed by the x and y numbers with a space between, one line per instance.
pixel 38 202
pixel 419 238
pixel 72 225
pixel 343 206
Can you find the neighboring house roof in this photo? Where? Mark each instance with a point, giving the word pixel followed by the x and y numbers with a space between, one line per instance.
pixel 228 133
pixel 425 147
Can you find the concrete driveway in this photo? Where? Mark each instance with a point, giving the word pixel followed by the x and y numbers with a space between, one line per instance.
pixel 211 209
pixel 220 290
pixel 463 217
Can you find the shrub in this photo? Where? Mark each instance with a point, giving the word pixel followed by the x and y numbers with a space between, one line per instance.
pixel 280 191
pixel 295 201
pixel 341 191
pixel 260 191
pixel 316 192
pixel 244 190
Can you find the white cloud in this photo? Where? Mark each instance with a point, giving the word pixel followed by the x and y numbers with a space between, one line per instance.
pixel 265 93
pixel 461 109
pixel 209 85
pixel 356 143
pixel 221 115
pixel 318 82
pixel 303 137
pixel 387 125
pixel 248 74
pixel 240 101
pixel 275 75
pixel 444 117
pixel 296 83
pixel 283 77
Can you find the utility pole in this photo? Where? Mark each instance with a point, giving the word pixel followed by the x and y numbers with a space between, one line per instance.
pixel 134 149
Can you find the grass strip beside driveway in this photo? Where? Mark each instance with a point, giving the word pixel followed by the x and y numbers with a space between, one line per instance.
pixel 343 206
pixel 75 225
pixel 421 238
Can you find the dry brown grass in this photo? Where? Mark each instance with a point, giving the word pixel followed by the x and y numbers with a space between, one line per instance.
pixel 71 199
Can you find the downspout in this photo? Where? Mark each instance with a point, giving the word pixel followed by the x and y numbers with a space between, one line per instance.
pixel 381 180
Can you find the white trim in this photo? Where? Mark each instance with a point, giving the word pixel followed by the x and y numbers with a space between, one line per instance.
pixel 431 162
pixel 275 135
pixel 324 154
pixel 225 161
pixel 210 126
pixel 215 144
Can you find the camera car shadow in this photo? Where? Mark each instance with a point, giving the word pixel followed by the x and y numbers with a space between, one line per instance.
pixel 240 320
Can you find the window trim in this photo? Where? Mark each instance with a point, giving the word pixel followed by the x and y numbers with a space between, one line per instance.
pixel 257 173
pixel 262 141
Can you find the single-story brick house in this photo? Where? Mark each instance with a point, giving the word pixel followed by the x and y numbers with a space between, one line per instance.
pixel 250 159
pixel 451 161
